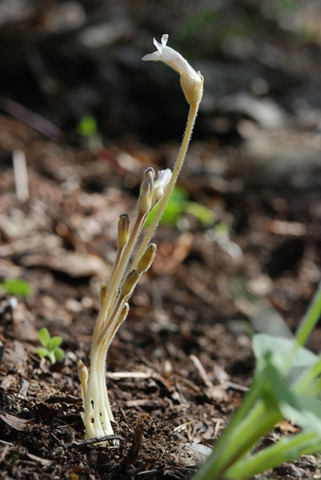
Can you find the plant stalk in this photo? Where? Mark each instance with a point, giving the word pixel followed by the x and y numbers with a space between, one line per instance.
pixel 177 168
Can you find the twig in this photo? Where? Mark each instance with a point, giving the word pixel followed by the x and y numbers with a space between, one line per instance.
pixel 20 175
pixel 137 441
pixel 201 371
pixel 236 386
pixel 32 119
pixel 85 443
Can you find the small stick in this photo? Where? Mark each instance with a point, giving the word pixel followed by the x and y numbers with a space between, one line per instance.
pixel 201 371
pixel 85 443
pixel 137 441
pixel 20 175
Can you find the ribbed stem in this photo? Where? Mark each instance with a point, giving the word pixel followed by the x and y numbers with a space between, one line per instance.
pixel 177 168
pixel 107 307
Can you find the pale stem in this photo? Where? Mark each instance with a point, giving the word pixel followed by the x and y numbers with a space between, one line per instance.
pixel 111 320
pixel 179 163
pixel 106 308
pixel 98 415
pixel 97 410
pixel 117 261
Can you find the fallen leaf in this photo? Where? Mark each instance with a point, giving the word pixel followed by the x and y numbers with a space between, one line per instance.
pixel 14 422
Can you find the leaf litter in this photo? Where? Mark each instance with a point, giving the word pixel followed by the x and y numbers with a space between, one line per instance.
pixel 179 366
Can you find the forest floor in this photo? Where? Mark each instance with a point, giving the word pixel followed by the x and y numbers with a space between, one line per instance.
pixel 182 362
pixel 180 365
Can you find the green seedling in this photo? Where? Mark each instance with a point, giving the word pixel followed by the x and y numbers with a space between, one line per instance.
pixel 179 205
pixel 16 286
pixel 50 346
pixel 286 385
pixel 87 127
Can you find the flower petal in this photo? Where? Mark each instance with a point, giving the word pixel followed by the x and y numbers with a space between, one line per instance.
pixel 163 178
pixel 153 57
pixel 164 39
pixel 191 81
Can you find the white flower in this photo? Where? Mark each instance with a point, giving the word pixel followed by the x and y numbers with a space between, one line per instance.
pixel 191 81
pixel 169 56
pixel 163 179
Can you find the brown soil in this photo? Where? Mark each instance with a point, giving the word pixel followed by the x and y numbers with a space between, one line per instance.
pixel 181 363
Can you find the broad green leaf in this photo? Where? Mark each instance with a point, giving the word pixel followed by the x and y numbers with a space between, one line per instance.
pixel 281 349
pixel 54 342
pixel 179 194
pixel 303 410
pixel 42 352
pixel 201 213
pixel 264 318
pixel 44 337
pixel 16 286
pixel 59 354
pixel 179 204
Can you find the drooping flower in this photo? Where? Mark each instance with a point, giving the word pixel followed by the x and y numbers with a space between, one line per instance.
pixel 169 56
pixel 191 81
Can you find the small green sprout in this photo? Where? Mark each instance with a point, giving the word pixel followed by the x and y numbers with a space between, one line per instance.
pixel 16 286
pixel 50 346
pixel 87 127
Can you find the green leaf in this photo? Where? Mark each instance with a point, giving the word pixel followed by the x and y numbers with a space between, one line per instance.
pixel 54 342
pixel 173 209
pixel 302 409
pixel 177 205
pixel 199 212
pixel 52 356
pixel 44 337
pixel 310 319
pixel 281 349
pixel 16 286
pixel 264 318
pixel 42 352
pixel 59 353
pixel 284 450
pixel 221 228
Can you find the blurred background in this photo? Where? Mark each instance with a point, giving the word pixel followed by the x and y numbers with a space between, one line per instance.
pixel 239 246
pixel 89 115
pixel 69 59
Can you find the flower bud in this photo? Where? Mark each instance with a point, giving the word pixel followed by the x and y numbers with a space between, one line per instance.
pixel 83 372
pixel 129 283
pixel 103 293
pixel 146 191
pixel 83 376
pixel 192 87
pixel 123 230
pixel 147 258
pixel 123 314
